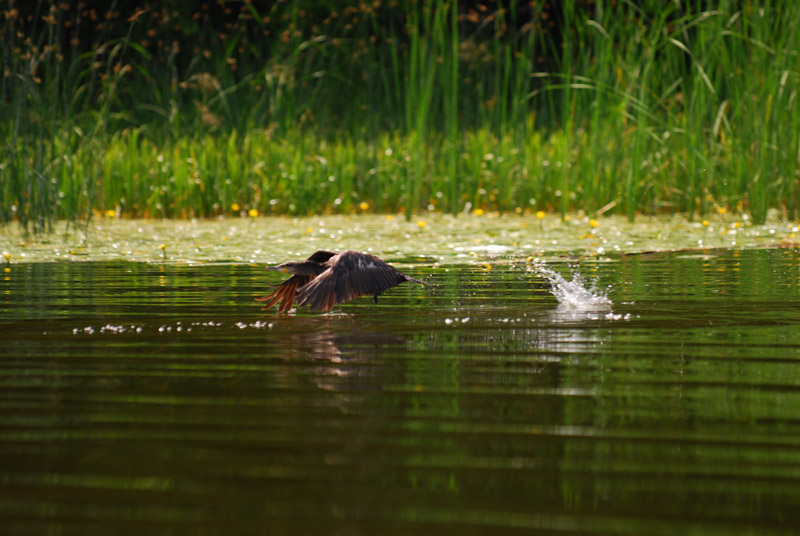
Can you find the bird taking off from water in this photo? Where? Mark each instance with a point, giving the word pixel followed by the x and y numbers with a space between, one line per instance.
pixel 327 278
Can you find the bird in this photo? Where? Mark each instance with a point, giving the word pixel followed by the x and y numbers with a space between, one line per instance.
pixel 327 278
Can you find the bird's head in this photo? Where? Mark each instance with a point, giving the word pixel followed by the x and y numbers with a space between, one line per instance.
pixel 302 268
pixel 285 267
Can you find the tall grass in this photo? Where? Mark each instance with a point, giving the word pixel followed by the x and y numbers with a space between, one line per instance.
pixel 404 106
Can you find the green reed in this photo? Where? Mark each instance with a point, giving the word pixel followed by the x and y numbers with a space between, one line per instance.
pixel 401 106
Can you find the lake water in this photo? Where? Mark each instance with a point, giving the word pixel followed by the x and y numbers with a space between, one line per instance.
pixel 156 398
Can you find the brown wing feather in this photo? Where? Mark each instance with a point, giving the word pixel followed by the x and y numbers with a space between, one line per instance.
pixel 318 293
pixel 285 293
pixel 349 275
pixel 368 275
pixel 321 256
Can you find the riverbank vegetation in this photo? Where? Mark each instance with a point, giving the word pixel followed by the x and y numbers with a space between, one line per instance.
pixel 386 106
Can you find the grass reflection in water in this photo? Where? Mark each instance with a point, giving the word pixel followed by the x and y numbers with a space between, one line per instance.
pixel 157 397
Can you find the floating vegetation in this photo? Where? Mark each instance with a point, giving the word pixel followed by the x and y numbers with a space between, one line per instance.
pixel 483 241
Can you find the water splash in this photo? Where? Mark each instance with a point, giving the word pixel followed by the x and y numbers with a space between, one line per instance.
pixel 177 327
pixel 574 294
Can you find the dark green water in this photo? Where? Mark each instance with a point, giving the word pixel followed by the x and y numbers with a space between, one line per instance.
pixel 138 398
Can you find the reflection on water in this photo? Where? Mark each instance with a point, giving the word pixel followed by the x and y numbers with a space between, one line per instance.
pixel 137 397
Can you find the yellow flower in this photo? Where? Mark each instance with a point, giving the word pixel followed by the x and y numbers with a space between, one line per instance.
pixel 162 247
pixel 389 217
pixel 722 210
pixel 363 205
pixel 705 223
pixel 110 213
pixel 309 230
pixel 593 223
pixel 253 212
pixel 421 224
pixel 478 212
pixel 540 214
pixel 235 207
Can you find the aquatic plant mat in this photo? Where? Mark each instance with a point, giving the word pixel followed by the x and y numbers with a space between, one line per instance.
pixel 432 238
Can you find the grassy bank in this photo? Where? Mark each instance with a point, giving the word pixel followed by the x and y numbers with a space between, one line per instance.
pixel 403 106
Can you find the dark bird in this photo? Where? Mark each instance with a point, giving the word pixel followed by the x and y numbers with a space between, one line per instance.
pixel 327 278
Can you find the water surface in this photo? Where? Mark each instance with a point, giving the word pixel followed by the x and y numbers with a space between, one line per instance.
pixel 154 397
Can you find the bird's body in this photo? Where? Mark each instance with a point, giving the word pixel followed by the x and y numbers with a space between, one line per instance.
pixel 327 278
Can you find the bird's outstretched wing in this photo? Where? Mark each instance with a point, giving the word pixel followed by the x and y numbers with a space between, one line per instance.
pixel 319 294
pixel 349 275
pixel 285 293
pixel 321 256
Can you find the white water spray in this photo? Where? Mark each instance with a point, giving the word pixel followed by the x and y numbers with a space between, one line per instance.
pixel 574 294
